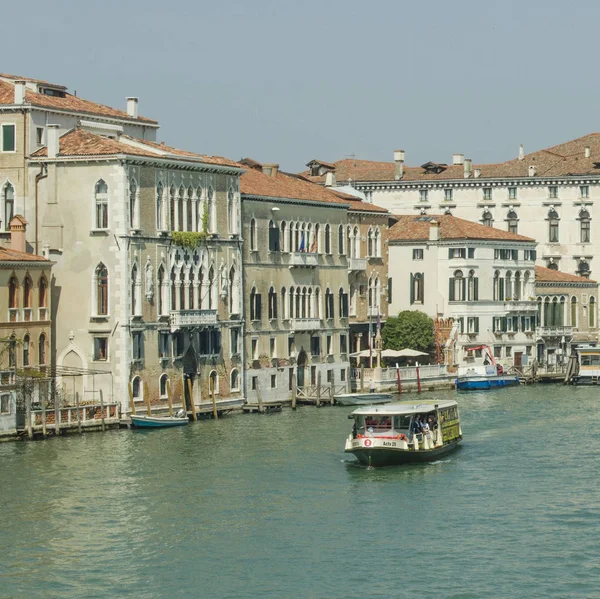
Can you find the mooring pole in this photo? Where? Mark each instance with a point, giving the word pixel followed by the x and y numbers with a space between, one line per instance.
pixel 102 410
pixel 398 376
pixel 418 379
pixel 193 406
pixel 211 388
pixel 294 391
pixel 169 398
pixel 77 408
pixel 147 398
pixel 319 389
pixel 131 402
pixel 28 416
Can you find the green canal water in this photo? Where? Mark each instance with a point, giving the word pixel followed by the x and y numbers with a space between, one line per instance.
pixel 270 506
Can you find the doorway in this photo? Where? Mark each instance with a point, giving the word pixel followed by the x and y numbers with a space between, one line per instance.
pixel 301 367
pixel 190 368
pixel 518 359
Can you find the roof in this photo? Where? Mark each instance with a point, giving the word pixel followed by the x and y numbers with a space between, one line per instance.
pixel 405 408
pixel 10 255
pixel 79 142
pixel 69 103
pixel 566 159
pixel 416 228
pixel 547 275
pixel 284 185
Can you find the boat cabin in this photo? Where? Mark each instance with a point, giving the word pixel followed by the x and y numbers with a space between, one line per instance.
pixel 589 362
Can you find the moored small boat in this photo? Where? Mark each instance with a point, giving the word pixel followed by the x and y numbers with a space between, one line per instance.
pixel 396 433
pixel 357 399
pixel 485 375
pixel 145 421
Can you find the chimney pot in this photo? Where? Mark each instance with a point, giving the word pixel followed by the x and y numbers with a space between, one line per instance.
pixel 398 164
pixel 132 107
pixel 18 228
pixel 468 168
pixel 434 231
pixel 20 92
pixel 521 152
pixel 477 173
pixel 330 179
pixel 587 151
pixel 270 169
pixel 458 159
pixel 532 170
pixel 52 141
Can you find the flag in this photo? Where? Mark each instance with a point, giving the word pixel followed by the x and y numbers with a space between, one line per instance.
pixel 313 247
pixel 302 247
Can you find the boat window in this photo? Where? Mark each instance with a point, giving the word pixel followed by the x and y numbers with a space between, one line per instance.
pixel 402 422
pixel 378 423
pixel 449 413
pixel 590 360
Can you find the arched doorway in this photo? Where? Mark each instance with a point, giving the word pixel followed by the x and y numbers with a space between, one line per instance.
pixel 190 368
pixel 301 367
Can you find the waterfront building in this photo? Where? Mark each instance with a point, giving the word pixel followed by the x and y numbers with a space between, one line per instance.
pixel 315 265
pixel 480 277
pixel 25 318
pixel 567 313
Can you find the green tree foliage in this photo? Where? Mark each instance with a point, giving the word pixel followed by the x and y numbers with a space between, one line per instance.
pixel 412 329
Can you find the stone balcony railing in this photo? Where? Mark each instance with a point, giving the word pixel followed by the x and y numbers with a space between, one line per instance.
pixel 192 318
pixel 305 324
pixel 563 331
pixel 310 259
pixel 520 306
pixel 357 264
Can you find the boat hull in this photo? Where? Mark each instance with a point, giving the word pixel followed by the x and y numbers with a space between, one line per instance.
pixel 382 456
pixel 360 399
pixel 157 421
pixel 478 383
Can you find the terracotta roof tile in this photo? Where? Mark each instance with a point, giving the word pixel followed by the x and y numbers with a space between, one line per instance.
pixel 69 103
pixel 10 255
pixel 79 142
pixel 416 228
pixel 547 275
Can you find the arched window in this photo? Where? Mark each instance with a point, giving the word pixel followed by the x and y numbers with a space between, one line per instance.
pixel 201 213
pixel 498 291
pixel 318 302
pixel 26 342
pixel 182 288
pixel 212 290
pixel 189 210
pixel 101 276
pixel 42 350
pixel 512 222
pixel 180 209
pixel 328 303
pixel 43 297
pixel 284 239
pixel 517 288
pixel 285 309
pixel 583 268
pixel 377 243
pixel 473 287
pixel 370 243
pixel 341 240
pixel 101 197
pixel 213 379
pixel 212 211
pixel 135 291
pixel 12 352
pixel 416 288
pixel 574 312
pixel 457 287
pixel 487 219
pixel 231 211
pixel 201 290
pixel 159 207
pixel 584 226
pixel 592 312
pixel 190 290
pixel 234 292
pixel 343 303
pixel 161 304
pixel 13 299
pixel 163 383
pixel 9 205
pixel 291 311
pixel 508 286
pixel 174 283
pixel 172 207
pixel 274 245
pixel 272 304
pixel 553 220
pixel 133 196
pixel 137 389
pixel 234 378
pixel 27 292
pixel 327 239
pixel 317 238
pixel 253 235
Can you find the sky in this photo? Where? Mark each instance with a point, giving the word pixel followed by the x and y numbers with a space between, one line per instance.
pixel 287 82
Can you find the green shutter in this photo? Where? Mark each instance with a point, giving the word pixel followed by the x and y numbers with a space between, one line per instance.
pixel 477 324
pixel 412 289
pixel 476 288
pixel 423 287
pixel 451 290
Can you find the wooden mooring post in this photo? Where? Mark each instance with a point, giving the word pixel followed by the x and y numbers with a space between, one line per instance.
pixel 169 397
pixel 294 390
pixel 28 416
pixel 78 412
pixel 131 402
pixel 319 389
pixel 56 402
pixel 261 407
pixel 102 410
pixel 44 430
pixel 211 388
pixel 147 398
pixel 331 400
pixel 193 406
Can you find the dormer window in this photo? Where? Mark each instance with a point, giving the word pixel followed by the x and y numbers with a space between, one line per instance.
pixel 432 168
pixel 49 91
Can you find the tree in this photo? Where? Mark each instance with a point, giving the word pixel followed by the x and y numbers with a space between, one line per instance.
pixel 412 329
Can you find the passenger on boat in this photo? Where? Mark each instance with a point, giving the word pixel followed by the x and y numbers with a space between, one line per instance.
pixel 416 426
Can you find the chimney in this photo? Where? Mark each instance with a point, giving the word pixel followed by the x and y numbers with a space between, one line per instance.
pixel 330 179
pixel 468 168
pixel 20 92
pixel 18 226
pixel 532 170
pixel 434 231
pixel 52 141
pixel 458 159
pixel 270 169
pixel 521 152
pixel 587 151
pixel 477 173
pixel 132 107
pixel 398 164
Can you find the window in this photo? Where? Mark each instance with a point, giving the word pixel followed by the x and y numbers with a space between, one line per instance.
pixel 136 292
pixel 343 344
pixel 101 197
pixel 27 297
pixel 448 195
pixel 13 299
pixel 553 192
pixel 255 305
pixel 39 135
pixel 529 255
pixel 416 288
pixel 26 343
pixel 457 287
pixel 274 245
pixel 328 304
pixel 584 191
pixel 512 193
pixel 12 352
pixel 574 312
pixel 101 276
pixel 133 198
pixel 137 345
pixel 273 381
pixel 341 240
pixel 457 253
pixel 584 226
pixel 291 347
pixel 179 342
pixel 390 291
pixel 497 351
pixel 8 138
pixel 5 403
pixel 592 312
pixel 213 382
pixel 553 226
pixel 254 383
pixel 343 301
pixel 329 375
pixel 508 351
pixel 137 389
pixel 234 340
pixel 423 194
pixel 231 210
pixel 160 225
pixel 370 244
pixel 253 241
pixel 212 211
pixel 417 253
pixel 343 375
pixel 254 349
pixel 164 345
pixel 487 194
pixel 272 304
pixel 473 324
pixel 327 239
pixel 512 222
pixel 471 253
pixel 473 287
pixel 180 209
pixel 329 342
pixel 100 348
pixel 234 380
pixel 315 345
pixel 42 350
pixel 487 219
pixel 272 347
pixel 163 384
pixel 8 198
pixel 583 268
pixel 43 298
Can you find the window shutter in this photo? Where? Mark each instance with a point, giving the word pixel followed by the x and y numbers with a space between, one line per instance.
pixel 451 290
pixel 423 287
pixel 390 286
pixel 476 288
pixel 522 323
pixel 464 289
pixel 345 305
pixel 503 320
pixel 501 289
pixel 450 253
pixel 515 323
pixel 412 288
pixel 476 319
pixel 274 305
pixel 258 315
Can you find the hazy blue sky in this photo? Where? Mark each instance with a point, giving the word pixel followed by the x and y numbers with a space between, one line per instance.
pixel 290 81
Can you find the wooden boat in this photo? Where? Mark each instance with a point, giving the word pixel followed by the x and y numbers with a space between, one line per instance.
pixel 358 399
pixel 390 434
pixel 144 421
pixel 487 375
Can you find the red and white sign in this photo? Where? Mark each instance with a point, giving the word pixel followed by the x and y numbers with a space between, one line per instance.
pixel 368 442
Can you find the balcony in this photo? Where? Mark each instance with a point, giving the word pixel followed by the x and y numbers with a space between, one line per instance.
pixel 566 332
pixel 520 306
pixel 305 324
pixel 307 259
pixel 192 318
pixel 357 264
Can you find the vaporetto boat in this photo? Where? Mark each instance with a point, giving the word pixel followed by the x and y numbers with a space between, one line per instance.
pixel 396 433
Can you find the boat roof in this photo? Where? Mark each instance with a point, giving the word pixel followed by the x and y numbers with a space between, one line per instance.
pixel 394 409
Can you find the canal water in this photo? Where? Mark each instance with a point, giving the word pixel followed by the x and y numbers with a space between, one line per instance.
pixel 270 506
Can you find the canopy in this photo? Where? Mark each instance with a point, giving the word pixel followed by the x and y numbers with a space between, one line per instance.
pixel 389 353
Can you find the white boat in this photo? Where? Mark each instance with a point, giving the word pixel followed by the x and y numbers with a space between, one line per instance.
pixel 390 434
pixel 483 376
pixel 358 399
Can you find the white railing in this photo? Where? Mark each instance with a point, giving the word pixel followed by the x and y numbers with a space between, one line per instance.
pixel 186 318
pixel 555 331
pixel 305 324
pixel 304 259
pixel 406 372
pixel 520 306
pixel 357 264
pixel 90 415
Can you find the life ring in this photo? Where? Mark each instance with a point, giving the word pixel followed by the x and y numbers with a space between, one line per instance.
pixel 368 442
pixel 402 437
